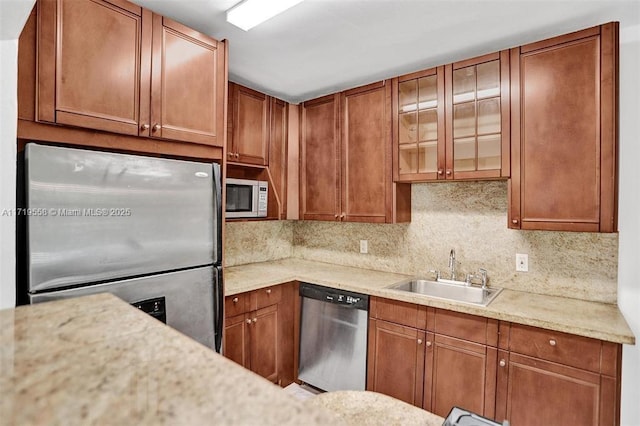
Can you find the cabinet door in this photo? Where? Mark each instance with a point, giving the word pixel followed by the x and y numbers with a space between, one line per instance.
pixel 459 373
pixel 89 66
pixel 419 126
pixel 264 342
pixel 250 143
pixel 236 339
pixel 366 153
pixel 396 361
pixel 535 392
pixel 477 117
pixel 278 153
pixel 188 84
pixel 564 137
pixel 320 159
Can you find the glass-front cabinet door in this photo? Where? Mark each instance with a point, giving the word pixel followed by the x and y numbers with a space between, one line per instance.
pixel 419 125
pixel 477 118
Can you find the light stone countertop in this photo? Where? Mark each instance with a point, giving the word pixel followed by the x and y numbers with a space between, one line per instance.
pixel 364 408
pixel 97 360
pixel 583 318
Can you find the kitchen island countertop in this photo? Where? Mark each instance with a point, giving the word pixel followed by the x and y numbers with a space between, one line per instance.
pixel 97 360
pixel 589 319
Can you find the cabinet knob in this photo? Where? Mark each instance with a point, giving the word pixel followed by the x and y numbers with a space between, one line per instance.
pixel 440 172
pixel 235 300
pixel 503 363
pixel 514 221
pixel 342 216
pixel 255 320
pixel 156 127
pixel 231 154
pixel 268 291
pixel 336 216
pixel 449 172
pixel 552 342
pixel 419 341
pixel 428 343
pixel 145 126
pixel 237 155
pixel 248 320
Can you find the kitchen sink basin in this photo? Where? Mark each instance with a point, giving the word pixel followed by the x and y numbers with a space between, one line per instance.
pixel 450 290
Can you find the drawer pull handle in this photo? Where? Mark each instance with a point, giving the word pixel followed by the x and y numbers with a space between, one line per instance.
pixel 269 291
pixel 552 342
pixel 502 363
pixel 514 221
pixel 235 300
pixel 419 341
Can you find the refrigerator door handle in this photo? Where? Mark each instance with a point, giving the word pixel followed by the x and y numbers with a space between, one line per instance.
pixel 217 197
pixel 218 296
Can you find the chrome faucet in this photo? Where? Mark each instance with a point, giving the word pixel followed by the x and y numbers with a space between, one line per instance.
pixel 452 264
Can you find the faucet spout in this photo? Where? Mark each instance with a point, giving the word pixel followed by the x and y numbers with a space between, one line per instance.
pixel 452 264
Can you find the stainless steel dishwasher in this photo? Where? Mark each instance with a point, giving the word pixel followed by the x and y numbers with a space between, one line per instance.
pixel 333 338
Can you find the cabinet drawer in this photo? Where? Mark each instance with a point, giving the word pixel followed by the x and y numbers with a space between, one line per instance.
pixel 568 349
pixel 404 313
pixel 236 304
pixel 267 296
pixel 462 326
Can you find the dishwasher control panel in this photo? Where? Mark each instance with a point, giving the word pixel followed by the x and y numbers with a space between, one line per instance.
pixel 332 295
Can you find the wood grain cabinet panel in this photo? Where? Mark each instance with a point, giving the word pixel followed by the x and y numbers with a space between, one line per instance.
pixel 564 138
pixel 320 159
pixel 111 65
pixel 187 84
pixel 396 361
pixel 249 142
pixel 278 138
pixel 258 331
pixel 350 133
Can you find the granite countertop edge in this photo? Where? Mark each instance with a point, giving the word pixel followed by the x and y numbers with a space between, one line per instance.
pixel 584 318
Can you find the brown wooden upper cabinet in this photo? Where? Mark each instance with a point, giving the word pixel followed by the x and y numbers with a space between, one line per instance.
pixel 114 66
pixel 249 142
pixel 346 159
pixel 452 122
pixel 564 139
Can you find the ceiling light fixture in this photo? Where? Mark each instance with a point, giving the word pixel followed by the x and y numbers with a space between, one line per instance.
pixel 249 13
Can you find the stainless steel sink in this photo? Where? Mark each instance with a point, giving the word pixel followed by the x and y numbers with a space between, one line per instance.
pixel 450 290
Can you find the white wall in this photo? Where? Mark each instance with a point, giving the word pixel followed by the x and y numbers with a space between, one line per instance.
pixel 8 114
pixel 13 15
pixel 629 218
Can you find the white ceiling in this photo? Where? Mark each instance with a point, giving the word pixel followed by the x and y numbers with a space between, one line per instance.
pixel 323 46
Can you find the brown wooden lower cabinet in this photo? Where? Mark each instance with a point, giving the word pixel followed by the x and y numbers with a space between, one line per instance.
pixel 258 332
pixel 396 361
pixel 527 375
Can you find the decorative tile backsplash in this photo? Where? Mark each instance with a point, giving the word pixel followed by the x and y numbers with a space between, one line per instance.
pixel 470 217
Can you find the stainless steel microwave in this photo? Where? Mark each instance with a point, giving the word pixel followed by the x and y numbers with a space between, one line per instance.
pixel 246 198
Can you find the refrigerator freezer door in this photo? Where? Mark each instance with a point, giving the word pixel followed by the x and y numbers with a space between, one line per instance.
pixel 188 298
pixel 96 216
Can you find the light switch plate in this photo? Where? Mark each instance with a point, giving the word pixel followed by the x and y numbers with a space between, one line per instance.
pixel 364 246
pixel 522 262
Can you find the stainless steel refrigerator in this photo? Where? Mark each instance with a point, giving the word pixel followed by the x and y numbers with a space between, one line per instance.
pixel 145 229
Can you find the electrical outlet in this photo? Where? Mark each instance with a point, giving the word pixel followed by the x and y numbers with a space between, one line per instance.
pixel 364 246
pixel 522 262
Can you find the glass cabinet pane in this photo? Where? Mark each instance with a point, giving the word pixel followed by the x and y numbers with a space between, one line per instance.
pixel 428 125
pixel 407 96
pixel 428 92
pixel 489 153
pixel 428 161
pixel 464 85
pixel 408 128
pixel 408 159
pixel 488 79
pixel 464 120
pixel 489 116
pixel 464 154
